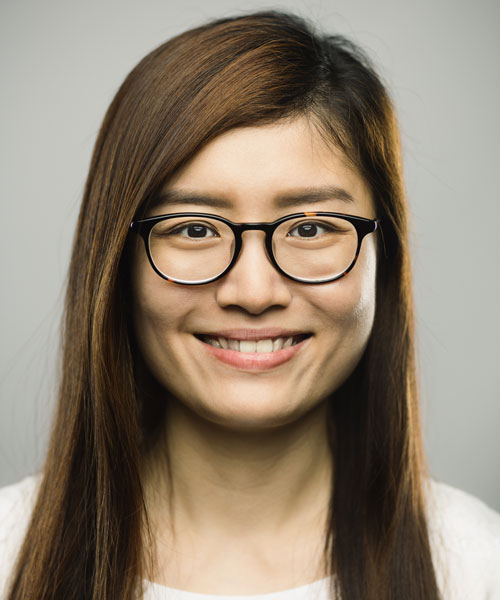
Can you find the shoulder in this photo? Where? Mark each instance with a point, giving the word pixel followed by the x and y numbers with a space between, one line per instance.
pixel 465 540
pixel 16 503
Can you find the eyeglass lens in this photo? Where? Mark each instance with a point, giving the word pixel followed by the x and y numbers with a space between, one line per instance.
pixel 309 248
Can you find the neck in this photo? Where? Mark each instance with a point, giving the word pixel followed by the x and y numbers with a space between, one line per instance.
pixel 268 489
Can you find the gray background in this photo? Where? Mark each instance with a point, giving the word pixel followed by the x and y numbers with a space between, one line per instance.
pixel 63 60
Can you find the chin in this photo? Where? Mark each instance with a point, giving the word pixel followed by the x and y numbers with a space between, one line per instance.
pixel 247 415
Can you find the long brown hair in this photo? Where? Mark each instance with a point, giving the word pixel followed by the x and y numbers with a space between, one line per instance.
pixel 86 535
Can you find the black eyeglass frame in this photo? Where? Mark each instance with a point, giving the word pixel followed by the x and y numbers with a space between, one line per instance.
pixel 362 225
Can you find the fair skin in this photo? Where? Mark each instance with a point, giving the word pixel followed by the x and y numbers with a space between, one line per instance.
pixel 251 465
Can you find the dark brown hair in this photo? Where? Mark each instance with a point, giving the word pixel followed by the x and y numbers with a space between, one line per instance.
pixel 85 539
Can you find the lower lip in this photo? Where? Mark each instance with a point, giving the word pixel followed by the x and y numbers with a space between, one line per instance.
pixel 254 361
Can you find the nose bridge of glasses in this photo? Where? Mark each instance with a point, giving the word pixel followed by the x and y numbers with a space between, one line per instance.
pixel 245 228
pixel 267 228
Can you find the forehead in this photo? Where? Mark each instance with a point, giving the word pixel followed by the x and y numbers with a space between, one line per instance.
pixel 256 171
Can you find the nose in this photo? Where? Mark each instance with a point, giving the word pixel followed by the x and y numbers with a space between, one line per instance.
pixel 253 283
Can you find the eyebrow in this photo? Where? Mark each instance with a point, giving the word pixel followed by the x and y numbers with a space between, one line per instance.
pixel 312 195
pixel 285 200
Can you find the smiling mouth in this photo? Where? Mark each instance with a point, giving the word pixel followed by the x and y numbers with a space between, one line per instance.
pixel 253 346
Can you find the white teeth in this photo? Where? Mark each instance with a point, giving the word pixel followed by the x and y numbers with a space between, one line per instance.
pixel 234 345
pixel 264 346
pixel 277 344
pixel 248 346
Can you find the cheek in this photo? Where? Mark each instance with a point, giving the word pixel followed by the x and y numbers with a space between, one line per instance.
pixel 347 307
pixel 157 308
pixel 351 299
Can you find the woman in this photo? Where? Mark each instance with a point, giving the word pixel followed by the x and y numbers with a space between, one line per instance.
pixel 238 410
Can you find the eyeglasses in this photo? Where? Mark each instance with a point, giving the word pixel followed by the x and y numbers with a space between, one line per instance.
pixel 194 248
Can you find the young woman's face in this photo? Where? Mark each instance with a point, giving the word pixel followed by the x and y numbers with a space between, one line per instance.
pixel 246 175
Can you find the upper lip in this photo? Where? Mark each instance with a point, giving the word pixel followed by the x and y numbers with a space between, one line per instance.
pixel 254 334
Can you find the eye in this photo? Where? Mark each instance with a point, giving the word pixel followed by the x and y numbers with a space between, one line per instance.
pixel 194 230
pixel 310 229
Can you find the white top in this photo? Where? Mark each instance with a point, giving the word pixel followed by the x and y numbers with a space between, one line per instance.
pixel 319 590
pixel 464 534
